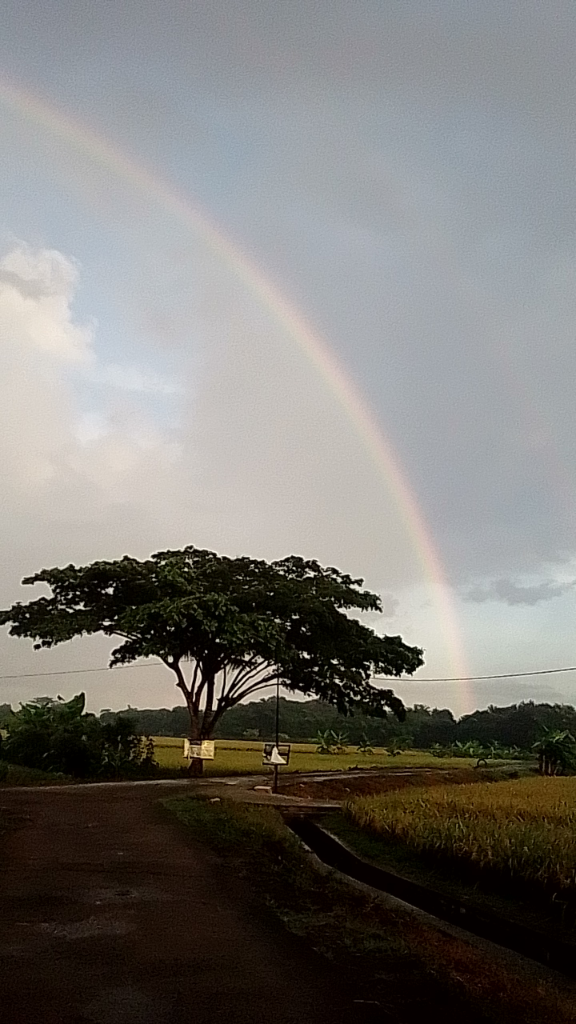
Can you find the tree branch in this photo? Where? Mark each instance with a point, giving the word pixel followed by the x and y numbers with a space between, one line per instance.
pixel 246 669
pixel 241 677
pixel 260 685
pixel 174 664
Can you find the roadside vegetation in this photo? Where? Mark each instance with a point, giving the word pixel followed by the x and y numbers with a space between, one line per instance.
pixel 520 832
pixel 60 740
pixel 399 964
pixel 56 740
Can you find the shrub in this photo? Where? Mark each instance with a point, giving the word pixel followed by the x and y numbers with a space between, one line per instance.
pixel 59 736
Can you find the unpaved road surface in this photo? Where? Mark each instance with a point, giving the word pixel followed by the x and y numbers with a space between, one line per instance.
pixel 111 914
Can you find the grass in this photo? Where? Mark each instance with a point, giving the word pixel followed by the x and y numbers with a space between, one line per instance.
pixel 244 757
pixel 520 831
pixel 264 847
pixel 19 775
pixel 407 968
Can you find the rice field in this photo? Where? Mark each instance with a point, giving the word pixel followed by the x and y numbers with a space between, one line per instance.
pixel 244 757
pixel 524 830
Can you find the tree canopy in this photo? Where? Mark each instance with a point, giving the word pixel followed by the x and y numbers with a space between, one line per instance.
pixel 226 627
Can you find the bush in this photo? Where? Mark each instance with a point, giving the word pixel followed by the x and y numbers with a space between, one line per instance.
pixel 58 736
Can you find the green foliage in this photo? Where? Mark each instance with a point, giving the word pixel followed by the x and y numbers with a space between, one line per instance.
pixel 54 736
pixel 556 752
pixel 124 752
pixel 330 742
pixel 20 775
pixel 227 627
pixel 519 725
pixel 364 746
pixel 5 715
pixel 58 736
pixel 475 749
pixel 395 747
pixel 500 730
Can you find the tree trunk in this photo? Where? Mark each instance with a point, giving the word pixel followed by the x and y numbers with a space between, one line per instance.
pixel 196 766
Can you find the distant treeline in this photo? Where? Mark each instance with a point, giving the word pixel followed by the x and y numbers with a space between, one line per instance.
pixel 517 725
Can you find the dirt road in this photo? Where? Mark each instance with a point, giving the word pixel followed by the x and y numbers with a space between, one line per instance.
pixel 111 915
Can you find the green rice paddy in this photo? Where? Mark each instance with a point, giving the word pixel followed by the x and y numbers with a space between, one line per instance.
pixel 244 757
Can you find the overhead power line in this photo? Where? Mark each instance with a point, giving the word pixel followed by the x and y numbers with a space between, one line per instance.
pixel 399 679
pixel 475 679
pixel 79 671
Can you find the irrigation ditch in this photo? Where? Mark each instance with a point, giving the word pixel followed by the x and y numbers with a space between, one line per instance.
pixel 552 952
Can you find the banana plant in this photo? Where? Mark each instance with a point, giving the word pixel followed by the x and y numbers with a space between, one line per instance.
pixel 364 745
pixel 556 751
pixel 325 741
pixel 330 742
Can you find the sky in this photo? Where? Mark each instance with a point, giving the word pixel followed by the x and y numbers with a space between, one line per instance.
pixel 286 276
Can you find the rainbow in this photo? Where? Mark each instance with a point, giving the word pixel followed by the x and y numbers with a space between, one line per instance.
pixel 101 151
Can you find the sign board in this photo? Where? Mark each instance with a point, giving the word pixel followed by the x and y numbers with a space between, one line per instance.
pixel 282 755
pixel 203 750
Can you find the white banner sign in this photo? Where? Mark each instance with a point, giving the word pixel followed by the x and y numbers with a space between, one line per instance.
pixel 203 750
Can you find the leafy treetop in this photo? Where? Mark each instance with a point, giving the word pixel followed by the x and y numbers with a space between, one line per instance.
pixel 226 627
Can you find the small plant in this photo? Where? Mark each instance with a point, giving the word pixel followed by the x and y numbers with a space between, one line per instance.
pixel 341 741
pixel 439 750
pixel 330 742
pixel 475 749
pixel 325 741
pixel 364 745
pixel 395 747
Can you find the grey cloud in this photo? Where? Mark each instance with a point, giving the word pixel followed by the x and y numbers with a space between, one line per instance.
pixel 512 593
pixel 29 288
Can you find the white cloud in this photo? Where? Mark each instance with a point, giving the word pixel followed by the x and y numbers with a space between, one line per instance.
pixel 261 460
pixel 134 378
pixel 36 290
pixel 61 459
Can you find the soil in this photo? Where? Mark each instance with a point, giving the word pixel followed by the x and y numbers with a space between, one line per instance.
pixel 328 786
pixel 112 915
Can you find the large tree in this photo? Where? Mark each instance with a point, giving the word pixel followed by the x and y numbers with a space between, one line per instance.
pixel 226 627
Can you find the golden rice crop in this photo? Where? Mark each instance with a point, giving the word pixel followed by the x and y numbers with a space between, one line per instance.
pixel 525 829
